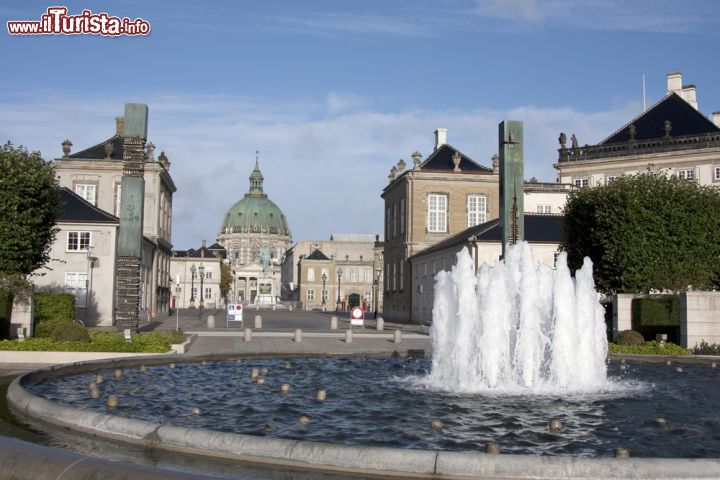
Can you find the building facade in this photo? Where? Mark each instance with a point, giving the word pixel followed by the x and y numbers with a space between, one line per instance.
pixel 95 174
pixel 335 274
pixel 255 234
pixel 196 277
pixel 672 136
pixel 82 259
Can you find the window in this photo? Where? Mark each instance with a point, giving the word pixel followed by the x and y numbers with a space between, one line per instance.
pixel 208 293
pixel 437 213
pixel 118 196
pixel 387 223
pixel 368 296
pixel 425 269
pixel 395 221
pixel 386 280
pixel 402 277
pixel 78 241
pixel 610 179
pixel 686 174
pixel 582 182
pixel 208 274
pixel 76 283
pixel 476 210
pixel 368 275
pixel 716 176
pixel 402 216
pixel 544 209
pixel 354 275
pixel 86 191
pixel 311 274
pixel 310 295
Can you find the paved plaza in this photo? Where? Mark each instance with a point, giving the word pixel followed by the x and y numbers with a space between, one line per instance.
pixel 276 336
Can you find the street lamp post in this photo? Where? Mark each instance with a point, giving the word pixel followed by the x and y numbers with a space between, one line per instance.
pixel 234 296
pixel 322 294
pixel 201 270
pixel 192 285
pixel 339 275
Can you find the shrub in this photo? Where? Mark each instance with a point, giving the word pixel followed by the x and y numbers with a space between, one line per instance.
pixel 151 342
pixel 649 348
pixel 629 337
pixel 706 348
pixel 51 310
pixel 71 332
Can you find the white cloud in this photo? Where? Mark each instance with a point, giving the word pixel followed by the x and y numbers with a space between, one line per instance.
pixel 345 22
pixel 325 171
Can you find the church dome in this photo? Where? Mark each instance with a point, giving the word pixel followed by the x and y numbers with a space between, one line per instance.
pixel 255 212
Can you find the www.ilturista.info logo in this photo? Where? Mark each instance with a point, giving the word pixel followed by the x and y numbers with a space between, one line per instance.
pixel 56 21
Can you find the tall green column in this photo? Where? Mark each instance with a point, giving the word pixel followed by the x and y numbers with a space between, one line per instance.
pixel 512 205
pixel 132 202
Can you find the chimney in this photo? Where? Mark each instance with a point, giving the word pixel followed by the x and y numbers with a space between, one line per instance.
pixel 689 94
pixel 674 82
pixel 440 137
pixel 716 118
pixel 204 244
pixel 119 126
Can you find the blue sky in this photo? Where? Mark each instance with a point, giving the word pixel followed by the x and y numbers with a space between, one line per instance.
pixel 334 93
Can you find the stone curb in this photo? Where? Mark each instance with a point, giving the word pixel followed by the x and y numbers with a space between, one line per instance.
pixel 19 356
pixel 385 462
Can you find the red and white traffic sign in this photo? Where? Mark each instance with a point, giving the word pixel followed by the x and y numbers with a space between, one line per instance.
pixel 357 317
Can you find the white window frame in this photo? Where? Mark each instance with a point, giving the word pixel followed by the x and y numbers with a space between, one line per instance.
pixel 582 182
pixel 687 173
pixel 208 293
pixel 81 243
pixel 716 173
pixel 311 274
pixel 368 275
pixel 476 210
pixel 84 190
pixel 310 294
pixel 544 209
pixel 353 275
pixel 118 198
pixel 610 179
pixel 437 212
pixel 208 274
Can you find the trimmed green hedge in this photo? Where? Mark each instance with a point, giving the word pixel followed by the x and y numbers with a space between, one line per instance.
pixel 5 313
pixel 656 315
pixel 51 310
pixel 151 342
pixel 649 348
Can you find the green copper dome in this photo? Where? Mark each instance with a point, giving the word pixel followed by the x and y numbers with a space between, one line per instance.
pixel 255 212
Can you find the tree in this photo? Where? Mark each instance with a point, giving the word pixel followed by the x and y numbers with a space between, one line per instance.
pixel 226 279
pixel 29 205
pixel 646 232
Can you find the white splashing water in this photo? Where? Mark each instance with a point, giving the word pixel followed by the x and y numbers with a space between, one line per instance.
pixel 517 328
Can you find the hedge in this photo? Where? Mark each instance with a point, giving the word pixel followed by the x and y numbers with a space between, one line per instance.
pixel 51 310
pixel 649 348
pixel 150 342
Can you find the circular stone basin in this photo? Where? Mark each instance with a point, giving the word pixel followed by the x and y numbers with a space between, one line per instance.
pixel 382 402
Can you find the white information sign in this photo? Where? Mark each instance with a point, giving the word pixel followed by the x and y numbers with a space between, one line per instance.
pixel 234 313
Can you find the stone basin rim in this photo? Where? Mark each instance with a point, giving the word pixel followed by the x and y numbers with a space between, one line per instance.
pixel 328 457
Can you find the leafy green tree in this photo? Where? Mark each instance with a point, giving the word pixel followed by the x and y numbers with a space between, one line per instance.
pixel 226 279
pixel 29 206
pixel 646 232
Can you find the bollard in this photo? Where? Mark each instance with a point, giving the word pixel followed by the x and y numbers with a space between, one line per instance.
pixel 380 324
pixel 555 426
pixel 298 336
pixel 492 448
pixel 248 334
pixel 112 401
pixel 621 453
pixel 284 388
pixel 211 321
pixel 397 336
pixel 334 322
pixel 320 396
pixel 117 374
pixel 258 321
pixel 348 336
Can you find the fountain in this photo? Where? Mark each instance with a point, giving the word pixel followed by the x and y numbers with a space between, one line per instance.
pixel 517 328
